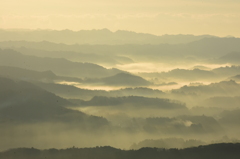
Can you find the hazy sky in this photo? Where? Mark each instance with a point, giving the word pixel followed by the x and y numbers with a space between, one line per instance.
pixel 216 17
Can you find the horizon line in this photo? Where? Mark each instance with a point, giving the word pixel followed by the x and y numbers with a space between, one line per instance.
pixel 102 29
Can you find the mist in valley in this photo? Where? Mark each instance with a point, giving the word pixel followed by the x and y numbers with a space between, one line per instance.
pixel 52 97
pixel 114 93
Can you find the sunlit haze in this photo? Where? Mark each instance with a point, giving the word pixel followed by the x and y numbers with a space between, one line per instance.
pixel 119 79
pixel 214 17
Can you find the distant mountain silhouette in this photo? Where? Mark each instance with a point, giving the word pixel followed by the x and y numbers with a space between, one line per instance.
pixel 223 102
pixel 122 79
pixel 183 74
pixel 181 125
pixel 24 102
pixel 200 67
pixel 222 88
pixel 59 66
pixel 103 36
pixel 227 71
pixel 232 58
pixel 139 91
pixel 30 75
pixel 191 53
pixel 69 91
pixel 125 79
pixel 167 143
pixel 207 123
pixel 21 91
pixel 133 101
pixel 212 47
pixel 230 119
pixel 77 56
pixel 235 78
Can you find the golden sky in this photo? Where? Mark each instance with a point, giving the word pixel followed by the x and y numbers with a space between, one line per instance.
pixel 215 17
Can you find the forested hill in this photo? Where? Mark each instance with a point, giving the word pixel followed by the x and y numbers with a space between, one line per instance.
pixel 215 151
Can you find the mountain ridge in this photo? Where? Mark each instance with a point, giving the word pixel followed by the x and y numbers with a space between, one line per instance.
pixel 101 36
